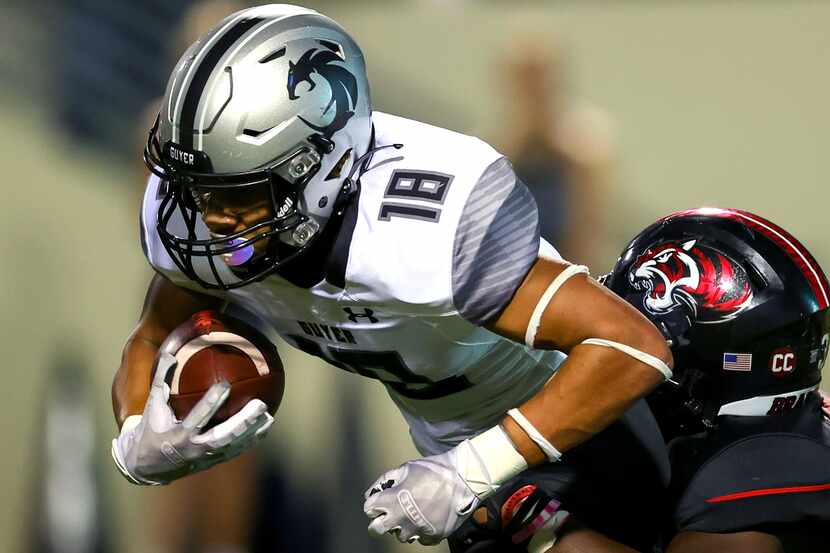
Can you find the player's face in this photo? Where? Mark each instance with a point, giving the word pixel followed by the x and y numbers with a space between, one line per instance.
pixel 231 211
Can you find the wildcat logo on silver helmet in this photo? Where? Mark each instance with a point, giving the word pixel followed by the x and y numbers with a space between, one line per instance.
pixel 343 84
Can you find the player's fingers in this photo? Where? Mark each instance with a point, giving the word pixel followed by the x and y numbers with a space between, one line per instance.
pixel 387 480
pixel 206 407
pixel 253 416
pixel 381 504
pixel 157 398
pixel 164 364
pixel 375 505
pixel 426 540
pixel 242 437
pixel 251 438
pixel 379 525
pixel 374 512
pixel 263 428
pixel 254 432
pixel 157 412
pixel 159 390
pixel 406 534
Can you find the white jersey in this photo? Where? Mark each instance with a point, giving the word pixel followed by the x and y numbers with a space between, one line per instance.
pixel 441 235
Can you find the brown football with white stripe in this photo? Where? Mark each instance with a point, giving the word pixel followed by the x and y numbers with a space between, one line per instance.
pixel 212 346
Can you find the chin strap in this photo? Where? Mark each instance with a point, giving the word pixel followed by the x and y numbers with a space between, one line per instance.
pixel 359 161
pixel 349 185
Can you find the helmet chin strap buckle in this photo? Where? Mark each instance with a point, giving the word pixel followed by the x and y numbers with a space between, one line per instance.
pixel 324 144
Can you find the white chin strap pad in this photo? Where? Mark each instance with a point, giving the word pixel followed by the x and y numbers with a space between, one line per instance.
pixel 555 285
pixel 641 356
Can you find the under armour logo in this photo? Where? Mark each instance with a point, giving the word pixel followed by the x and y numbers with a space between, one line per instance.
pixel 383 486
pixel 367 313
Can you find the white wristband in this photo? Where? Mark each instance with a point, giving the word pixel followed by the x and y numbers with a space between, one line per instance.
pixel 553 287
pixel 487 461
pixel 641 356
pixel 550 452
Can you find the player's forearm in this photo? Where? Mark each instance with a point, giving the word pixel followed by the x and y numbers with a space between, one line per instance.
pixel 131 384
pixel 591 389
pixel 165 307
pixel 615 357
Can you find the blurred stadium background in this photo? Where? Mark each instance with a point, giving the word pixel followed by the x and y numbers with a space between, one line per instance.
pixel 692 103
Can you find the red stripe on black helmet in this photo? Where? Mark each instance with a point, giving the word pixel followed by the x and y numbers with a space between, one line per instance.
pixel 806 263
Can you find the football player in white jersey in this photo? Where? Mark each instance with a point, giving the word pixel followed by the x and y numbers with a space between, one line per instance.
pixel 405 253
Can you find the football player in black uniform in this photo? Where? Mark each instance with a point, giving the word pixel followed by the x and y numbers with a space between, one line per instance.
pixel 744 307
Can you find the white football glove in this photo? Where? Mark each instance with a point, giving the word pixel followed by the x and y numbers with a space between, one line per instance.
pixel 154 448
pixel 428 499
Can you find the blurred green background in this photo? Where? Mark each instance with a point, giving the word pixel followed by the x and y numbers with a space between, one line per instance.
pixel 705 102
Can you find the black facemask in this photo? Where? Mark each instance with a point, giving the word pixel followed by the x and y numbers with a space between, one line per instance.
pixel 188 185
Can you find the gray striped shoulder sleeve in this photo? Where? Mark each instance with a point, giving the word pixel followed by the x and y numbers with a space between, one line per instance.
pixel 496 244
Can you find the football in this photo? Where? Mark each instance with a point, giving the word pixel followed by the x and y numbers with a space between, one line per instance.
pixel 212 346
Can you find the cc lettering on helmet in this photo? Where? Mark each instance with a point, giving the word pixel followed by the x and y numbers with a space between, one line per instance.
pixel 782 362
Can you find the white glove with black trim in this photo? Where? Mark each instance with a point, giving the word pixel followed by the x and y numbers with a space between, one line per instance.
pixel 155 448
pixel 428 499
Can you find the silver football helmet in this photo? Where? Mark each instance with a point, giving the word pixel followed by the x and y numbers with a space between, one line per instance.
pixel 272 106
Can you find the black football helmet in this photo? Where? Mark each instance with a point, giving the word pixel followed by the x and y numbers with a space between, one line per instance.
pixel 743 304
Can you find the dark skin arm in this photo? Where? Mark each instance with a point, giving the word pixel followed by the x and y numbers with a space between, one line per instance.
pixel 737 542
pixel 596 384
pixel 166 306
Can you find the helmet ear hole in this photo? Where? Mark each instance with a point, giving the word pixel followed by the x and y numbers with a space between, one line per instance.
pixel 755 277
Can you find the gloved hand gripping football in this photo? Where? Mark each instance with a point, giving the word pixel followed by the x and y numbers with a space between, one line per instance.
pixel 155 448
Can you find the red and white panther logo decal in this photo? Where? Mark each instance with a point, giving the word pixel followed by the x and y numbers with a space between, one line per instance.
pixel 675 274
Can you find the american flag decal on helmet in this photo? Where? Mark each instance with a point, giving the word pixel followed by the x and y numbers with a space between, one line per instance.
pixel 737 361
